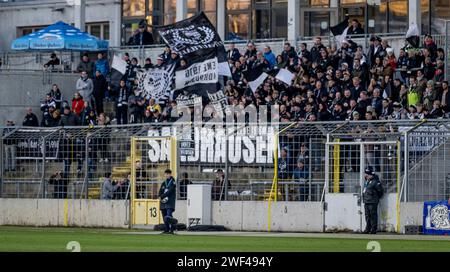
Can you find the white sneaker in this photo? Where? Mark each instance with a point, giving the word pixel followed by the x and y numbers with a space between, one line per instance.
pixel 100 161
pixel 105 160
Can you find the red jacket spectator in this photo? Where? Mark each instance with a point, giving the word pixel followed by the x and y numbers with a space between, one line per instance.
pixel 77 104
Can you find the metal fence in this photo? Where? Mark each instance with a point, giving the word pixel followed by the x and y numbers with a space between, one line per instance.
pixel 73 162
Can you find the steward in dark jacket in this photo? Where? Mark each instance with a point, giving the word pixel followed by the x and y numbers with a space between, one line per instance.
pixel 372 193
pixel 167 195
pixel 30 119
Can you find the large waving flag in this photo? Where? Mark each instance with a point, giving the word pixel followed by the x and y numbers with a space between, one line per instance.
pixel 340 30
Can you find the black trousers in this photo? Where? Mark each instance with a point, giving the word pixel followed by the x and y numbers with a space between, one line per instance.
pixel 371 214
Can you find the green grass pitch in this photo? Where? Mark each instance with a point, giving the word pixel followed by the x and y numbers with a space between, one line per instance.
pixel 19 239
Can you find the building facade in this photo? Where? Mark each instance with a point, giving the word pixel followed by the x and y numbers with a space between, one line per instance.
pixel 116 20
pixel 20 17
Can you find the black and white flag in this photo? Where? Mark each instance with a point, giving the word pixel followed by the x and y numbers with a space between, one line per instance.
pixel 413 35
pixel 196 39
pixel 205 72
pixel 156 83
pixel 257 82
pixel 340 30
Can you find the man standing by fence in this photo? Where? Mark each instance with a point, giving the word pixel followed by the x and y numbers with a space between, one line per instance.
pixel 10 148
pixel 167 195
pixel 372 193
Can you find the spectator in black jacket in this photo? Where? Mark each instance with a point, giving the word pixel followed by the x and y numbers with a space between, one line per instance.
pixel 375 49
pixel 167 195
pixel 30 119
pixel 251 50
pixel 315 50
pixel 142 37
pixel 289 52
pixel 355 28
pixel 54 61
pixel 69 118
pixel 100 87
pixel 86 65
pixel 233 53
pixel 59 183
pixel 122 104
pixel 184 182
pixel 372 192
pixel 10 145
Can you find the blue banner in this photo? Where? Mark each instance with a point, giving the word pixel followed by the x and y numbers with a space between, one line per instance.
pixel 436 219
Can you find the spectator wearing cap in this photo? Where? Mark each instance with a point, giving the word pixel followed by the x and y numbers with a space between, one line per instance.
pixel 375 49
pixel 69 118
pixel 398 113
pixel 142 37
pixel 372 193
pixel 86 65
pixel 54 61
pixel 159 62
pixel 233 53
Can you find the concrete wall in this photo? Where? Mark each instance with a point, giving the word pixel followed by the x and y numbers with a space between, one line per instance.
pixel 19 90
pixel 47 12
pixel 236 215
pixel 253 216
pixel 54 212
pixel 411 213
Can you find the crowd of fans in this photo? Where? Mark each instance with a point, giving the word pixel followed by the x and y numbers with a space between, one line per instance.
pixel 334 83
